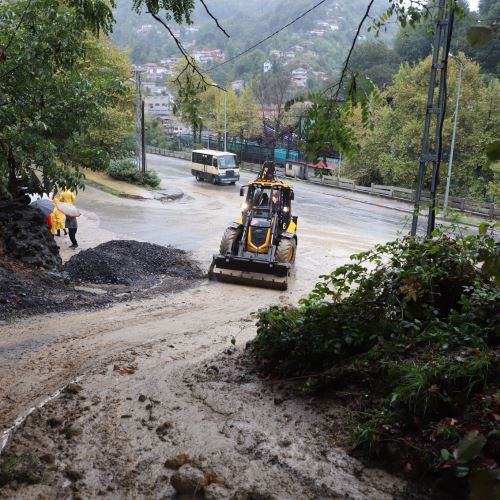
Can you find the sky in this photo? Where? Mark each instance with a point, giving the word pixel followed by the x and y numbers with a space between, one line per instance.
pixel 473 4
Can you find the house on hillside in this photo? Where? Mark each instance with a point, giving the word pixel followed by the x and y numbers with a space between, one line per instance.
pixel 267 66
pixel 153 70
pixel 299 77
pixel 208 56
pixel 161 105
pixel 172 126
pixel 290 54
pixel 317 32
pixel 320 75
pixel 145 28
pixel 276 54
pixel 238 85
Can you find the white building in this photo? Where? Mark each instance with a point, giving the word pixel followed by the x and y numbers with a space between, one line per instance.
pixel 158 105
pixel 267 66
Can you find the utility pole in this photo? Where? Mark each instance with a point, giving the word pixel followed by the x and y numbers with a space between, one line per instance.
pixel 225 121
pixel 138 119
pixel 143 145
pixel 453 136
pixel 431 152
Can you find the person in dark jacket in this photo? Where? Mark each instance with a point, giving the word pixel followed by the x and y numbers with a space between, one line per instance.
pixel 72 227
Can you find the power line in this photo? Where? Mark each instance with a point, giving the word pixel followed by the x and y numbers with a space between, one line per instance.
pixel 267 37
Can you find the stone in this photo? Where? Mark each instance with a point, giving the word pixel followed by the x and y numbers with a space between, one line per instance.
pixel 216 492
pixel 188 481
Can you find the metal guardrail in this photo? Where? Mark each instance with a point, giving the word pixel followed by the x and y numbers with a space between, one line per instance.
pixel 484 209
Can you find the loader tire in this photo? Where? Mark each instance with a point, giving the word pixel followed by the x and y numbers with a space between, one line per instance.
pixel 286 250
pixel 230 241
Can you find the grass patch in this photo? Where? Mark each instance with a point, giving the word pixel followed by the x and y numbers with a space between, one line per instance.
pixel 23 467
pixel 417 325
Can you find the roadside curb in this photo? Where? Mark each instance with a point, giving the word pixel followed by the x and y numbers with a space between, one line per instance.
pixel 163 195
pixel 115 192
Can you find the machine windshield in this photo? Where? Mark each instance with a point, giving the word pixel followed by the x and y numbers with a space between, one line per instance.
pixel 266 198
pixel 228 161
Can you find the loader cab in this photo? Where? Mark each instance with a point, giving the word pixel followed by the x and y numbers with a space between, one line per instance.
pixel 266 199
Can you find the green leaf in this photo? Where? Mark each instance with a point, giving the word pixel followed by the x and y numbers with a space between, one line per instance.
pixel 479 36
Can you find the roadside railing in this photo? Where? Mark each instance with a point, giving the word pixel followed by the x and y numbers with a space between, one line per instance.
pixel 484 209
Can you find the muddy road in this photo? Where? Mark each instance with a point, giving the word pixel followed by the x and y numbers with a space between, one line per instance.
pixel 166 376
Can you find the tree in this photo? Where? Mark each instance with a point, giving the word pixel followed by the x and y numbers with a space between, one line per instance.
pixel 394 155
pixel 188 87
pixel 273 88
pixel 377 61
pixel 58 87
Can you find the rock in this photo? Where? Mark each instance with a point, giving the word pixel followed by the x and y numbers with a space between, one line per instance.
pixel 142 398
pixel 252 493
pixel 55 421
pixel 216 492
pixel 163 429
pixel 73 475
pixel 177 462
pixel 284 441
pixel 47 458
pixel 26 235
pixel 72 431
pixel 73 388
pixel 188 481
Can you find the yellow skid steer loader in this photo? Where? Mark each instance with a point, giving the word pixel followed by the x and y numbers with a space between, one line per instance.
pixel 259 248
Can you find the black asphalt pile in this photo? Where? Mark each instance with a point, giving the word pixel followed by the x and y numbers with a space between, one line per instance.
pixel 25 292
pixel 129 262
pixel 25 236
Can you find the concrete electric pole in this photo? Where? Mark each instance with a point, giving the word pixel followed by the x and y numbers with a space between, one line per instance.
pixel 453 137
pixel 138 119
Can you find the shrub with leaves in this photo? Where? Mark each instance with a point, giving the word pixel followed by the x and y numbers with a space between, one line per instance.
pixel 126 170
pixel 418 323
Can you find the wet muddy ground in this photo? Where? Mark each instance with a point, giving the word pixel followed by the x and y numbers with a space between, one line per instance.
pixel 165 384
pixel 157 420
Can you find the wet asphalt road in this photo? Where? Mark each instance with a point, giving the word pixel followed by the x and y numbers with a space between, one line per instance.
pixel 332 224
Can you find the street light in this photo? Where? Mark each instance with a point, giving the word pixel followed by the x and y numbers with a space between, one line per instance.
pixel 453 136
pixel 225 116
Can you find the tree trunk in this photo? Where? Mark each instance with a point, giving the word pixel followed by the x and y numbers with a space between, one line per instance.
pixel 13 185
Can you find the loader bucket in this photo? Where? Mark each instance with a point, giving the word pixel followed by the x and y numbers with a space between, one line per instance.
pixel 249 272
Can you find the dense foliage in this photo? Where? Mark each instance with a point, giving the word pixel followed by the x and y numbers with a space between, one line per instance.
pixel 63 96
pixel 126 170
pixel 391 158
pixel 416 324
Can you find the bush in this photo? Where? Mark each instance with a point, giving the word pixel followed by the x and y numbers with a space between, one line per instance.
pixel 126 170
pixel 417 324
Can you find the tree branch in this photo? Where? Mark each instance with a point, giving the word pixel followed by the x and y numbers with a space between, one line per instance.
pixel 214 18
pixel 345 68
pixel 185 54
pixel 17 27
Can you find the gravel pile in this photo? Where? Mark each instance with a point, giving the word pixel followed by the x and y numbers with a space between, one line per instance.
pixel 129 262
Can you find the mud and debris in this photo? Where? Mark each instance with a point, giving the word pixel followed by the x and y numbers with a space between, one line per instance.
pixel 129 262
pixel 213 434
pixel 116 271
